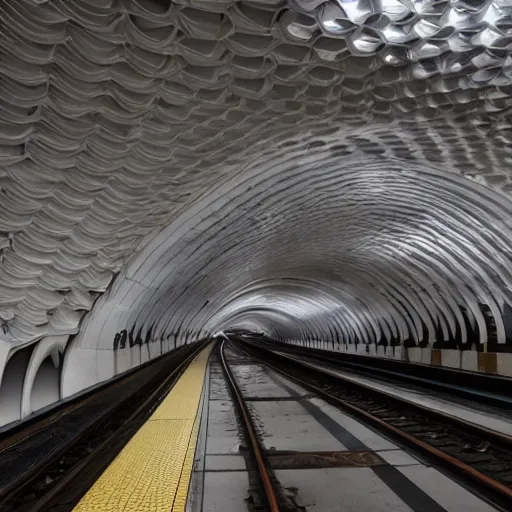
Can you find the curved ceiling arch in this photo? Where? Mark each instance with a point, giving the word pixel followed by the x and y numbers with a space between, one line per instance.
pixel 164 296
pixel 160 159
pixel 299 299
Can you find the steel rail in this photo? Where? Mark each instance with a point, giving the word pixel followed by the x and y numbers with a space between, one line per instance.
pixel 457 465
pixel 366 366
pixel 499 437
pixel 248 424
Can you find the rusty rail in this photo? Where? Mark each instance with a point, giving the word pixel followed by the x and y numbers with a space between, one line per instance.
pixel 499 489
pixel 251 434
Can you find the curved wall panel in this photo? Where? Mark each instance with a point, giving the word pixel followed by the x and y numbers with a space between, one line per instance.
pixel 11 388
pixel 326 172
pixel 45 388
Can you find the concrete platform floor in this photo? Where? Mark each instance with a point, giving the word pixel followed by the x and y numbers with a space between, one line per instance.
pixel 289 418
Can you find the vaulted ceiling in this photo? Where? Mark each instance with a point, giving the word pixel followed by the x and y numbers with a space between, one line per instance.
pixel 321 170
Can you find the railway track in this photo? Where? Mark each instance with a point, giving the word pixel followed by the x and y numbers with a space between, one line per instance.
pixel 63 471
pixel 270 493
pixel 489 390
pixel 481 457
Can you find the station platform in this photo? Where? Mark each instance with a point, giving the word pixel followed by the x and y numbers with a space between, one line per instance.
pixel 152 473
pixel 191 455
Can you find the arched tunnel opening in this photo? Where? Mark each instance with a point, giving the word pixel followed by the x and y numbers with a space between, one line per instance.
pixel 318 179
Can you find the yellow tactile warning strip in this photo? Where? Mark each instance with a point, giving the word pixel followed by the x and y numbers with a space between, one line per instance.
pixel 152 472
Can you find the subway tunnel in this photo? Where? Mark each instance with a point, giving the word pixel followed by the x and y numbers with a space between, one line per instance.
pixel 328 175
